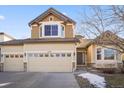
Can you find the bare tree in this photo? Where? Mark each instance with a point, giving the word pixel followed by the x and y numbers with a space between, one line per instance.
pixel 105 21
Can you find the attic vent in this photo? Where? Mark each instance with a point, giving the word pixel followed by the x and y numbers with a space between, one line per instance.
pixel 50 18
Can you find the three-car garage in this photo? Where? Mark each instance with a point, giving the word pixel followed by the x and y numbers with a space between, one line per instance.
pixel 39 57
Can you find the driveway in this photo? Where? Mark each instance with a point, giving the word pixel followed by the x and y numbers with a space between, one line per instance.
pixel 37 80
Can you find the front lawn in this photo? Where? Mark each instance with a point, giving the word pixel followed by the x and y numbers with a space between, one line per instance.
pixel 112 80
pixel 115 80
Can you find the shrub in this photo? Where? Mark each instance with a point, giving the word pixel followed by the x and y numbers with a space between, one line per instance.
pixel 108 70
pixel 122 70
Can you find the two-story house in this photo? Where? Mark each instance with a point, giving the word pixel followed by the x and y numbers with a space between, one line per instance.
pixel 53 47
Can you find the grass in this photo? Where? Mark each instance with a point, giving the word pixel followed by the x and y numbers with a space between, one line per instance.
pixel 115 80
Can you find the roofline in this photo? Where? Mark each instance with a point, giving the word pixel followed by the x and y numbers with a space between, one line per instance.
pixel 46 12
pixel 2 33
pixel 30 41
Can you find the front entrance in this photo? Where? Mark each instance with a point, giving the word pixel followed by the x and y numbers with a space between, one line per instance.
pixel 80 58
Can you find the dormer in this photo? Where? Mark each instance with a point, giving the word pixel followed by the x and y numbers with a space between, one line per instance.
pixel 52 24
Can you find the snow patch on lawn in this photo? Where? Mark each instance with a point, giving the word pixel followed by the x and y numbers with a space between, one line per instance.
pixel 96 80
pixel 5 84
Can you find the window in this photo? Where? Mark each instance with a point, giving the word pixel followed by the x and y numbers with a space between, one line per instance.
pixel 68 54
pixel 46 55
pixel 109 54
pixel 99 57
pixel 63 55
pixel 50 18
pixel 52 55
pixel 25 54
pixel 74 54
pixel 21 56
pixel 7 56
pixel 41 55
pixel 57 55
pixel 62 30
pixel 16 56
pixel 35 55
pixel 30 54
pixel 41 31
pixel 12 56
pixel 51 30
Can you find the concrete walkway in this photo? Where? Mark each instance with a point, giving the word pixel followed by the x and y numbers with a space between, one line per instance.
pixel 37 80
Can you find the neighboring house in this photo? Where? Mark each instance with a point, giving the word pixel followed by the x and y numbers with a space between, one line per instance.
pixel 53 47
pixel 5 37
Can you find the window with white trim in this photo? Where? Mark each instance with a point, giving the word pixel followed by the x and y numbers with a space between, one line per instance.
pixel 106 54
pixel 41 31
pixel 50 30
pixel 99 55
pixel 62 30
pixel 109 54
pixel 7 56
pixel 68 54
pixel 57 54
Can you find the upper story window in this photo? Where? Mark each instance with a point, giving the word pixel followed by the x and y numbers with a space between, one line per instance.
pixel 51 30
pixel 62 30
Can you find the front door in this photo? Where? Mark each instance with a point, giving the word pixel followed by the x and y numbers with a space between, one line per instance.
pixel 80 58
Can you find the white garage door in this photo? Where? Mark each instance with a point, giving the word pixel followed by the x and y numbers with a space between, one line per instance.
pixel 49 62
pixel 13 63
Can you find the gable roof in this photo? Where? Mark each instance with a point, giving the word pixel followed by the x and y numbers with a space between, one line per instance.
pixel 84 43
pixel 54 12
pixel 107 37
pixel 103 39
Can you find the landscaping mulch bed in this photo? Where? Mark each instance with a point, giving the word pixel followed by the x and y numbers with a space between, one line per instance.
pixel 83 83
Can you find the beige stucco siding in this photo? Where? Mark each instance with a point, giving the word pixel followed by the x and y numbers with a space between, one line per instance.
pixel 12 64
pixel 69 27
pixel 35 31
pixel 50 64
pixel 12 49
pixel 91 54
pixel 69 31
pixel 49 47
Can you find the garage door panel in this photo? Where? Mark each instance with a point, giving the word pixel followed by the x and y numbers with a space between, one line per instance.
pixel 13 66
pixel 50 66
pixel 50 61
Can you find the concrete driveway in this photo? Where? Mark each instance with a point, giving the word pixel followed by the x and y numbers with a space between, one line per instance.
pixel 37 80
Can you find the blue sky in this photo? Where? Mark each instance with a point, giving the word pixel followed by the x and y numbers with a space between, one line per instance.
pixel 14 19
